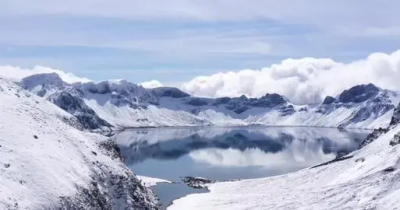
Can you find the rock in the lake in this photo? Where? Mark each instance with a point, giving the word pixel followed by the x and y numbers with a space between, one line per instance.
pixel 196 182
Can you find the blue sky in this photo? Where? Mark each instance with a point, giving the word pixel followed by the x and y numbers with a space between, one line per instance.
pixel 174 41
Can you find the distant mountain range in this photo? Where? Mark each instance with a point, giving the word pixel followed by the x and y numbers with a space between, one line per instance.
pixel 110 105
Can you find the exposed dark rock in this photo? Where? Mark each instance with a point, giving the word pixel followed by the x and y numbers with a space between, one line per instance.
pixel 303 109
pixel 329 100
pixel 45 81
pixel 36 137
pixel 333 161
pixel 110 190
pixel 367 112
pixel 242 104
pixel 287 110
pixel 111 149
pixel 243 97
pixel 170 92
pixel 196 182
pixel 359 93
pixel 197 102
pixel 272 99
pixel 389 169
pixel 396 140
pixel 372 137
pixel 241 109
pixel 222 100
pixel 396 117
pixel 75 105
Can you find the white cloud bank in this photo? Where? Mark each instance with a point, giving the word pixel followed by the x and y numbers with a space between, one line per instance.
pixel 302 81
pixel 305 80
pixel 17 73
pixel 151 84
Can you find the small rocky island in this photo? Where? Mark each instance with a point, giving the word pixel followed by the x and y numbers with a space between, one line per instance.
pixel 196 182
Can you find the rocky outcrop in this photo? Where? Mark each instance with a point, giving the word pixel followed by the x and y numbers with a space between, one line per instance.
pixel 396 140
pixel 329 100
pixel 359 93
pixel 378 132
pixel 110 190
pixel 196 182
pixel 396 117
pixel 169 92
pixel 373 136
pixel 75 105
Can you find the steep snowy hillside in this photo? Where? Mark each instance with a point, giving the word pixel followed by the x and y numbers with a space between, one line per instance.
pixel 48 163
pixel 104 105
pixel 365 179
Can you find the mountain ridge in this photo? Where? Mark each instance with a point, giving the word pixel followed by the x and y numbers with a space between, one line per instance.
pixel 108 105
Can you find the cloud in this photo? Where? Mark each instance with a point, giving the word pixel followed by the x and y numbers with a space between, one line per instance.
pixel 295 156
pixel 17 73
pixel 303 81
pixel 304 11
pixel 151 84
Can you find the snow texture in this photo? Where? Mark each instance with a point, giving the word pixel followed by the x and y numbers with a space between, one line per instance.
pixel 47 162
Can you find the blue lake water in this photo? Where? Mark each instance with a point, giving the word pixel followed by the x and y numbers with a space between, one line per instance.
pixel 225 153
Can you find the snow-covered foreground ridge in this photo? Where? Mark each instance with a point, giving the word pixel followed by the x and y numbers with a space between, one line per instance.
pixel 47 163
pixel 108 105
pixel 365 179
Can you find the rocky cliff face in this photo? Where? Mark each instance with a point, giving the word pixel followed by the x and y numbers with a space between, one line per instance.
pixel 396 117
pixel 72 102
pixel 394 122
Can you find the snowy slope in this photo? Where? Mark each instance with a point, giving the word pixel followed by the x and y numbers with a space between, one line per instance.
pixel 108 105
pixel 47 163
pixel 368 179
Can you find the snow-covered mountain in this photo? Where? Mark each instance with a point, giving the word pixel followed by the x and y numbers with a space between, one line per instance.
pixel 48 162
pixel 364 179
pixel 123 104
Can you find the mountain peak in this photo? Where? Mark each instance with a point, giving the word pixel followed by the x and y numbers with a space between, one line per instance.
pixel 275 97
pixel 31 82
pixel 329 100
pixel 359 93
pixel 42 84
pixel 172 92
